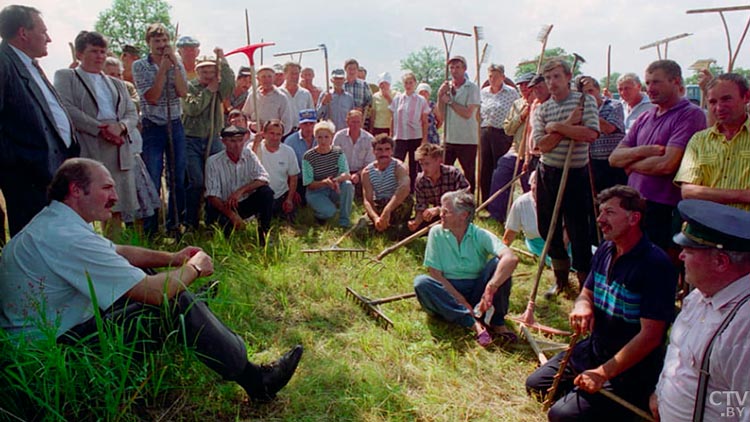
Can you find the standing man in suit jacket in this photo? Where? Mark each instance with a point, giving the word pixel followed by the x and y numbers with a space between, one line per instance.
pixel 105 119
pixel 36 134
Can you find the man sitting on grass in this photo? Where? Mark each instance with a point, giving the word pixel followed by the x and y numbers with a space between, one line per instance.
pixel 468 266
pixel 385 183
pixel 50 269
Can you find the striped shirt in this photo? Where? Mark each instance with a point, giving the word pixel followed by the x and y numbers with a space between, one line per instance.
pixel 495 107
pixel 384 182
pixel 407 115
pixel 426 193
pixel 611 112
pixel 557 111
pixel 144 75
pixel 317 166
pixel 713 160
pixel 224 176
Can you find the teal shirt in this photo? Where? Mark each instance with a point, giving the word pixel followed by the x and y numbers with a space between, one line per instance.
pixel 464 261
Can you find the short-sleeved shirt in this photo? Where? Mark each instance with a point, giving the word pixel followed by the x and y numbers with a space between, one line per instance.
pixel 714 161
pixel 358 154
pixel 553 110
pixel 407 115
pixel 335 111
pixel 45 270
pixel 495 107
pixel 271 105
pixel 380 105
pixel 611 112
pixel 299 145
pixel 639 284
pixel 465 261
pixel 674 128
pixel 631 114
pixel 459 130
pixel 224 176
pixel 144 75
pixel 301 100
pixel 427 193
pixel 279 165
pixel 522 217
pixel 317 166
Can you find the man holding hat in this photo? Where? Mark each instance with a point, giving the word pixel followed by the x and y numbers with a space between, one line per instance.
pixel 237 185
pixel 189 49
pixel 334 106
pixel 716 164
pixel 203 102
pixel 458 103
pixel 705 371
pixel 272 103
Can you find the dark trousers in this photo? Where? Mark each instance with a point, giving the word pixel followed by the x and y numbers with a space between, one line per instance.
pixel 196 164
pixel 148 326
pixel 259 203
pixel 574 404
pixel 495 143
pixel 467 156
pixel 661 224
pixel 574 215
pixel 23 200
pixel 606 176
pixel 503 174
pixel 404 147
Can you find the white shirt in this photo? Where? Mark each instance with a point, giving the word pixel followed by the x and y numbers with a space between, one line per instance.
pixel 301 100
pixel 730 358
pixel 105 96
pixel 358 154
pixel 58 113
pixel 279 165
pixel 522 216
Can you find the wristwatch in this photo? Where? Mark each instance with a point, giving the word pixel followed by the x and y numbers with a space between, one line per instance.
pixel 197 270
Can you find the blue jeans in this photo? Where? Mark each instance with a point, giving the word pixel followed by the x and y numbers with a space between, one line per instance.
pixel 323 202
pixel 195 149
pixel 435 299
pixel 500 177
pixel 155 147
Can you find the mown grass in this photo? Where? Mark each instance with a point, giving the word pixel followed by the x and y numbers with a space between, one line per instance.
pixel 352 370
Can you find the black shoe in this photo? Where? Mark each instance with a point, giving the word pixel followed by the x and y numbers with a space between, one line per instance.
pixel 276 375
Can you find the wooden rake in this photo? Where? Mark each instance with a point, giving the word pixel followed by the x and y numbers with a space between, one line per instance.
pixel 372 306
pixel 362 222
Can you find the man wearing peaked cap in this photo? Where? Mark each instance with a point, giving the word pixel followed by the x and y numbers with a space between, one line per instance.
pixel 336 104
pixel 708 352
pixel 189 48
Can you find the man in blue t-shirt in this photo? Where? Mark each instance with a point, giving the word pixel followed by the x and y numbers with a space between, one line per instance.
pixel 626 305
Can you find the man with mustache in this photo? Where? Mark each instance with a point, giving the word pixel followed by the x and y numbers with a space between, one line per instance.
pixel 385 186
pixel 51 267
pixel 627 304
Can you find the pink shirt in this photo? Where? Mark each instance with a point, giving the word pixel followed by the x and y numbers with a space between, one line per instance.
pixel 407 115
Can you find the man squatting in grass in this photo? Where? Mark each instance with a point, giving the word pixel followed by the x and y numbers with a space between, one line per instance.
pixel 468 266
pixel 47 266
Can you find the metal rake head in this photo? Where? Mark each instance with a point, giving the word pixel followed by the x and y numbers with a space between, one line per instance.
pixel 370 308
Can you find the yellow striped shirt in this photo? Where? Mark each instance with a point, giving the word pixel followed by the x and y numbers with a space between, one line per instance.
pixel 713 161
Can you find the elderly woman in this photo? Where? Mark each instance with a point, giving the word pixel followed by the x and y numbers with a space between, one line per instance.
pixel 469 272
pixel 497 99
pixel 410 113
pixel 325 174
pixel 104 117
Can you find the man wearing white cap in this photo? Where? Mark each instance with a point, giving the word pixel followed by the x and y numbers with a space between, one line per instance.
pixel 382 117
pixel 272 103
pixel 458 103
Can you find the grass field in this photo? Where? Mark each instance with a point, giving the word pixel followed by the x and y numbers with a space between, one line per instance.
pixel 352 370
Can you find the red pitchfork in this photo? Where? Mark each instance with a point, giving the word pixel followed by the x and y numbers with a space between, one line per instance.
pixel 249 51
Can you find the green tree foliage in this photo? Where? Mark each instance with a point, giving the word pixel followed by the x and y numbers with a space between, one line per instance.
pixel 428 65
pixel 557 52
pixel 612 82
pixel 126 21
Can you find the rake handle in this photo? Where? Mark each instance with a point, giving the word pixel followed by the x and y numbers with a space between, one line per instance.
pixel 393 298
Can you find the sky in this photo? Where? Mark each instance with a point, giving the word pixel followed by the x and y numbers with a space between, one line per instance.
pixel 379 34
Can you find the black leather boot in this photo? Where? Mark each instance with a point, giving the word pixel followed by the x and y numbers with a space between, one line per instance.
pixel 263 382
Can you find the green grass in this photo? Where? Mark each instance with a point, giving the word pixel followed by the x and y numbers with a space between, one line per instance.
pixel 353 370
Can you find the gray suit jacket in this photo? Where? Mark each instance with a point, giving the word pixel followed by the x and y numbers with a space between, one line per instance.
pixel 31 146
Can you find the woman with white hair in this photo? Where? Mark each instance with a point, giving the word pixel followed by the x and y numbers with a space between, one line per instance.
pixel 469 272
pixel 325 174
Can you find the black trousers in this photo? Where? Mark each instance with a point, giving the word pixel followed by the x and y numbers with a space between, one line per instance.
pixel 606 176
pixel 467 156
pixel 406 147
pixel 259 203
pixel 148 326
pixel 23 199
pixel 495 143
pixel 574 216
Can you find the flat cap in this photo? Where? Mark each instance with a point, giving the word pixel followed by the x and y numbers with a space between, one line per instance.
pixel 230 131
pixel 187 41
pixel 712 225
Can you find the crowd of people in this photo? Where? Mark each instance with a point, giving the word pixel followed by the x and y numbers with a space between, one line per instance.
pixel 649 179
